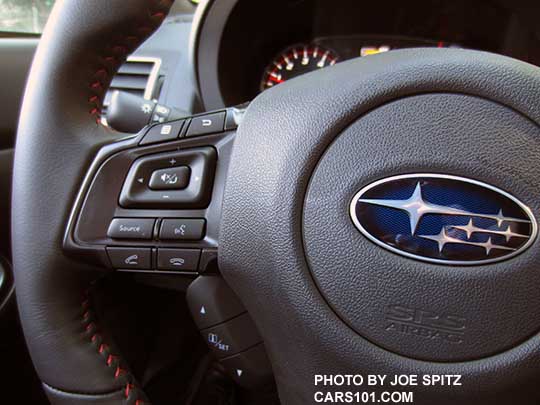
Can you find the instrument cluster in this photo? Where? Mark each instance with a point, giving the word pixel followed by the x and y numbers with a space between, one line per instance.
pixel 241 49
pixel 302 58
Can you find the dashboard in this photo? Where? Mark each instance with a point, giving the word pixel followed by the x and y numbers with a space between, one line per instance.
pixel 242 47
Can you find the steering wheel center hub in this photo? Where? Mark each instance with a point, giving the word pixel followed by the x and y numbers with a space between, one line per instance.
pixel 412 160
pixel 326 297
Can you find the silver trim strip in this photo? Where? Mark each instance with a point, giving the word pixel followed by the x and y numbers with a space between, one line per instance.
pixel 154 73
pixel 196 26
pixel 150 84
pixel 526 209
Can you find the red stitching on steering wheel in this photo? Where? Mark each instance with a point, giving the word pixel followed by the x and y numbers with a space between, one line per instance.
pixel 130 391
pixel 120 51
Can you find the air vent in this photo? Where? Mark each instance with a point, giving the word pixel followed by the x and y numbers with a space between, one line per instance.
pixel 138 76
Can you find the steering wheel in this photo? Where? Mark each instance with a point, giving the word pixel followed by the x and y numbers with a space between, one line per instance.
pixel 323 170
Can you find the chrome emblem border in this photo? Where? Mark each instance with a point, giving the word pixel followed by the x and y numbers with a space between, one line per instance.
pixel 414 221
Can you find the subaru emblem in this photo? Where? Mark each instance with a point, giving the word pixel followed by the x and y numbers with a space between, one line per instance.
pixel 443 219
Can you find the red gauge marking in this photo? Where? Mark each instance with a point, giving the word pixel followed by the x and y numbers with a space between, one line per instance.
pixel 295 61
pixel 275 80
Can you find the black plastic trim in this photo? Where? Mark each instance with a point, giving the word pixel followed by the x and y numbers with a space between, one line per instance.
pixel 88 241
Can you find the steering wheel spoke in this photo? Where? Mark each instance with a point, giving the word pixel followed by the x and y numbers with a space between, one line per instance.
pixel 152 203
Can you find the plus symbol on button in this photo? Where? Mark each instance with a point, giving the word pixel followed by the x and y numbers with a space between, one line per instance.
pixel 172 161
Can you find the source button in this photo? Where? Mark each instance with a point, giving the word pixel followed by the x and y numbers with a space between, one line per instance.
pixel 131 228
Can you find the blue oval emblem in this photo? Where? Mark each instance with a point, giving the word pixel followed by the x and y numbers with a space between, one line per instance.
pixel 443 219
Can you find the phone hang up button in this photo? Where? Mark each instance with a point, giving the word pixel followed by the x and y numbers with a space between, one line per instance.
pixel 178 259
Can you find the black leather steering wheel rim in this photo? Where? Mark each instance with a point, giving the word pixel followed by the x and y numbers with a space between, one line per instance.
pixel 81 48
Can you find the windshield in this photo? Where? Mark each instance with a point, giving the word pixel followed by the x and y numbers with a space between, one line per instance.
pixel 24 16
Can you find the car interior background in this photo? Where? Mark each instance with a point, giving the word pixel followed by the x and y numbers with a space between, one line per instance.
pixel 214 56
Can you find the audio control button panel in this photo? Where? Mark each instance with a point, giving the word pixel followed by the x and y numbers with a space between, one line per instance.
pixel 157 196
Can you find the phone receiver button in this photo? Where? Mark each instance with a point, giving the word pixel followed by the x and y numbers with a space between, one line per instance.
pixel 130 258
